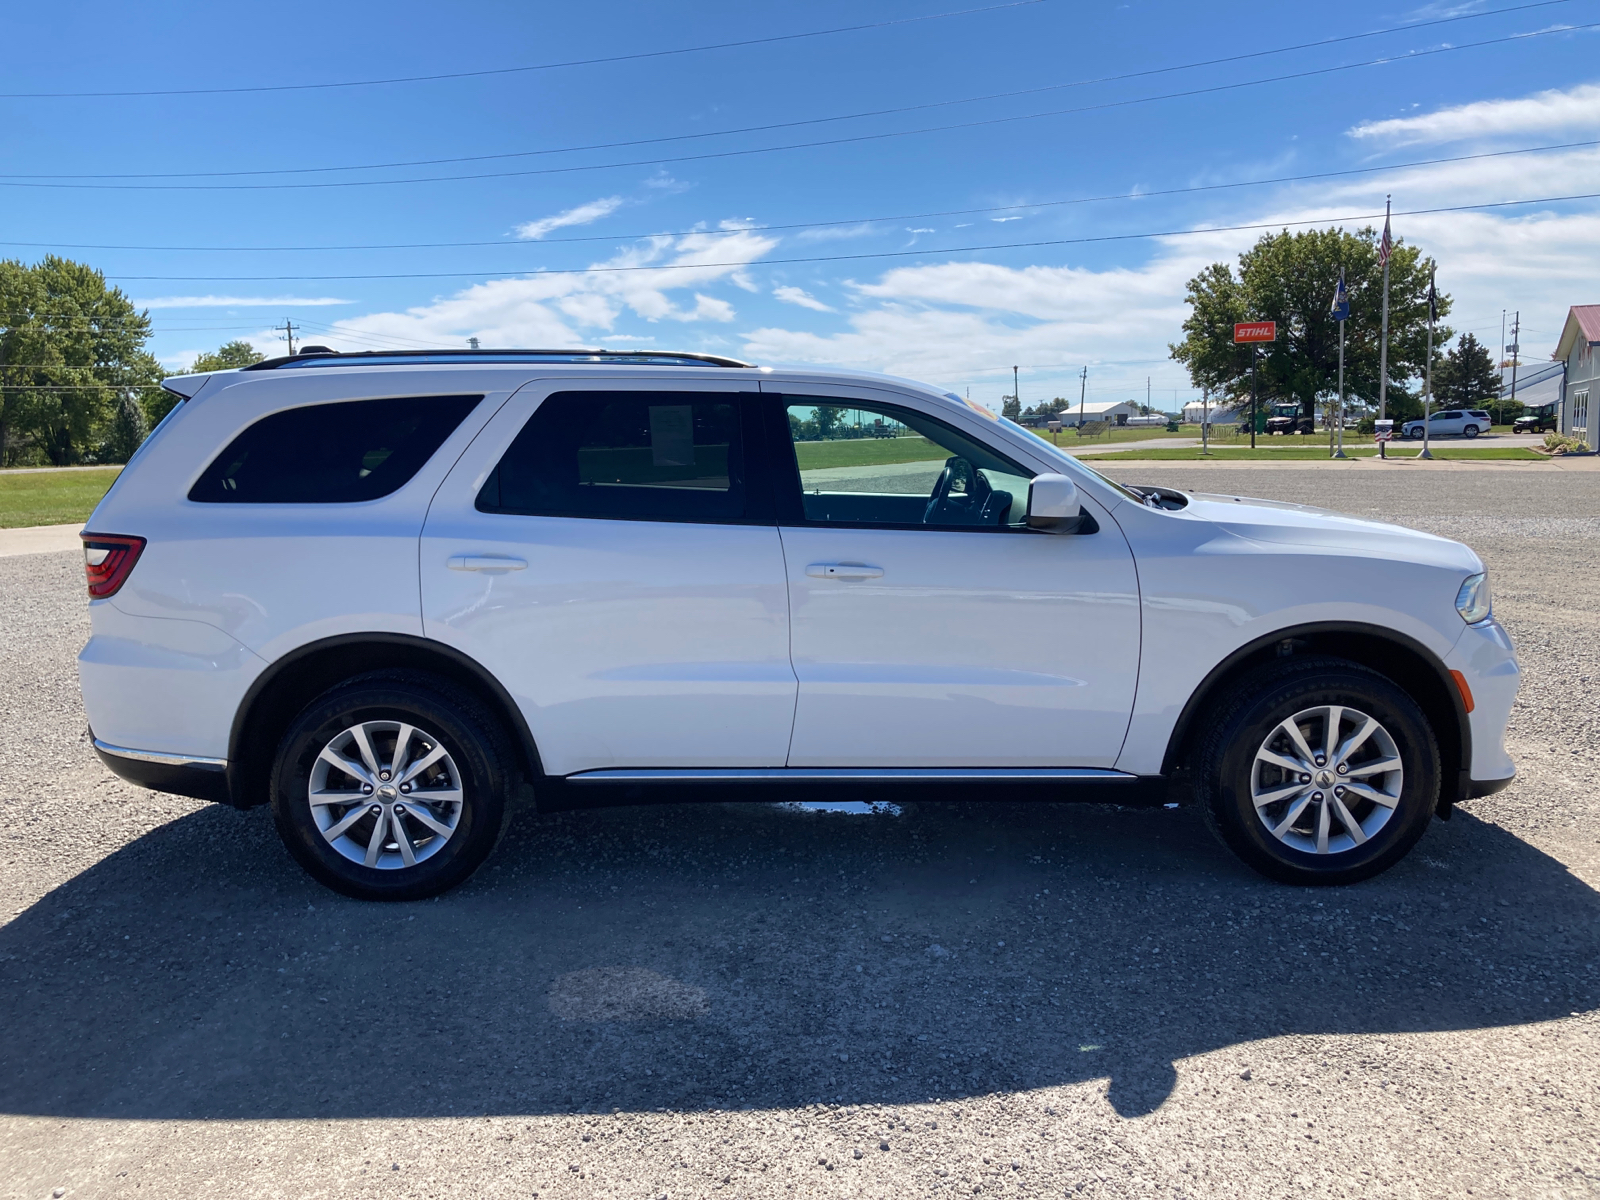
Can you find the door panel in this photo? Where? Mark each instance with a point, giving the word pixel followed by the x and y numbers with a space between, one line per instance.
pixel 929 627
pixel 626 642
pixel 970 650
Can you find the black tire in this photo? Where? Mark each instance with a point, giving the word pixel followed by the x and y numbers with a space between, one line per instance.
pixel 1225 762
pixel 1470 431
pixel 444 716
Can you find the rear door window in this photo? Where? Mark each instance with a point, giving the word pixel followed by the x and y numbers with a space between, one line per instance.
pixel 339 453
pixel 641 456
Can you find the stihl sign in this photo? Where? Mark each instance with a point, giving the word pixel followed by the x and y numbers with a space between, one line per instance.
pixel 1255 331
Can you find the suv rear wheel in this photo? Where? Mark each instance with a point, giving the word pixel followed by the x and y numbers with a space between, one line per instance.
pixel 1470 431
pixel 1318 772
pixel 391 787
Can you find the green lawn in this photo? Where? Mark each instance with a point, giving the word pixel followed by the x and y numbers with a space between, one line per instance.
pixel 1304 453
pixel 51 497
pixel 1068 438
pixel 866 452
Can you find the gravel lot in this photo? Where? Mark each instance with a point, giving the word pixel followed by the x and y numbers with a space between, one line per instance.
pixel 752 1000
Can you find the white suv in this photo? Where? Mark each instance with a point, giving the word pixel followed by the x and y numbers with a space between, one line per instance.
pixel 385 592
pixel 1452 422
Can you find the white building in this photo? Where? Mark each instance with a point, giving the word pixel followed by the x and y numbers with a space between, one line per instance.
pixel 1112 412
pixel 1218 414
pixel 1579 338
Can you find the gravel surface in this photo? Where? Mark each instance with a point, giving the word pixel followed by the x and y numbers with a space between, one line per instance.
pixel 756 1000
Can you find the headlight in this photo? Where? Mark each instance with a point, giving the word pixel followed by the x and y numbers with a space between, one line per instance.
pixel 1472 601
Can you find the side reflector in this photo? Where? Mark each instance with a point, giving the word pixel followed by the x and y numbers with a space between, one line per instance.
pixel 1461 685
pixel 108 559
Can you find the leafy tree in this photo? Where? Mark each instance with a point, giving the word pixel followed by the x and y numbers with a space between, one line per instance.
pixel 72 364
pixel 1011 408
pixel 1290 278
pixel 1466 377
pixel 227 357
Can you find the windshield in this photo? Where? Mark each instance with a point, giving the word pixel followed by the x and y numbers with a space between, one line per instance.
pixel 1077 463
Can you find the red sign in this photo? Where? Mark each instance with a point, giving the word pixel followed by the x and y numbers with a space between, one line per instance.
pixel 1255 331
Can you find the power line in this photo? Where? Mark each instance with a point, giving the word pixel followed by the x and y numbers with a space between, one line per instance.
pixel 882 112
pixel 919 253
pixel 839 141
pixel 925 216
pixel 553 66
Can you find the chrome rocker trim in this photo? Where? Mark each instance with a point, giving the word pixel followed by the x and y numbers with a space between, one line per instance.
pixel 629 775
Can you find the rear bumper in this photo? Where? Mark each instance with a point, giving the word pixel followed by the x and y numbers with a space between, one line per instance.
pixel 181 775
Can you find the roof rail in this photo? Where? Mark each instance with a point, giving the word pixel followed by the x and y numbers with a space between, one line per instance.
pixel 318 356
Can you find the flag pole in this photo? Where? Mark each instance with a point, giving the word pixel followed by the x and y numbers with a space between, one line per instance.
pixel 1427 387
pixel 1341 308
pixel 1383 349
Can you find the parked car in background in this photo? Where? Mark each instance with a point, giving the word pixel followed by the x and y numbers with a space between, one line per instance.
pixel 1451 422
pixel 1540 418
pixel 385 592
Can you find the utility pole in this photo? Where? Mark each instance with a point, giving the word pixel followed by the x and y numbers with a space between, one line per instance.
pixel 288 330
pixel 1083 387
pixel 473 342
pixel 1502 365
pixel 1016 391
pixel 1205 422
pixel 1515 348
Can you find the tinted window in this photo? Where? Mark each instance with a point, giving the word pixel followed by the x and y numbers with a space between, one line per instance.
pixel 661 456
pixel 332 453
pixel 873 464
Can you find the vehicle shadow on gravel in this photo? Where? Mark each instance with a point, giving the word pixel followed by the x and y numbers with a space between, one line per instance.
pixel 752 956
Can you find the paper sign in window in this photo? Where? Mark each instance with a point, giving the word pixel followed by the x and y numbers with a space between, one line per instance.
pixel 672 435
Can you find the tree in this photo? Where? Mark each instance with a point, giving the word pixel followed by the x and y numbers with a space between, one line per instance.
pixel 72 361
pixel 228 357
pixel 1011 408
pixel 1466 377
pixel 1290 278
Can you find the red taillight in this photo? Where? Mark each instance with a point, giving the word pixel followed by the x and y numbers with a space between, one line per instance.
pixel 107 560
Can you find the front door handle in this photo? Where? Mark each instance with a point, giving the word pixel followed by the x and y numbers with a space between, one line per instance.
pixel 494 564
pixel 844 571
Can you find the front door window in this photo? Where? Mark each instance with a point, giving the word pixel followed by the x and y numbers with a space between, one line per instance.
pixel 881 465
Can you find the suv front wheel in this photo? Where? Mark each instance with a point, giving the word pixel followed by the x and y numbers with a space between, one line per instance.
pixel 391 787
pixel 1318 772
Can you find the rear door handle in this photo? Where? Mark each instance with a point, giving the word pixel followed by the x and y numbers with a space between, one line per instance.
pixel 495 564
pixel 844 571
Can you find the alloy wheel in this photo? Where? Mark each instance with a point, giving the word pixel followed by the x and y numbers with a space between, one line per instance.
pixel 386 794
pixel 1326 779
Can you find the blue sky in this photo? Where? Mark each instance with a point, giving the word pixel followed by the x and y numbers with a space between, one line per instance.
pixel 734 217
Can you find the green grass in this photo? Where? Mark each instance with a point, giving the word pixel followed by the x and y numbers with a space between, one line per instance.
pixel 51 497
pixel 867 452
pixel 1309 453
pixel 1068 438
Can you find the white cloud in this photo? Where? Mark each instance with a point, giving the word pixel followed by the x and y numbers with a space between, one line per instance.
pixel 571 308
pixel 1550 112
pixel 583 214
pixel 957 323
pixel 239 302
pixel 794 295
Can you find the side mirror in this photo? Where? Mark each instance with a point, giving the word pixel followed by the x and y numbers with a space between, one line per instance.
pixel 1053 504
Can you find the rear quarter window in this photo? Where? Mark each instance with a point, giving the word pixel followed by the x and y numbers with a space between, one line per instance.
pixel 339 453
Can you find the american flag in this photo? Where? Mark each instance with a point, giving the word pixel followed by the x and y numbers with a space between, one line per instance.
pixel 1386 245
